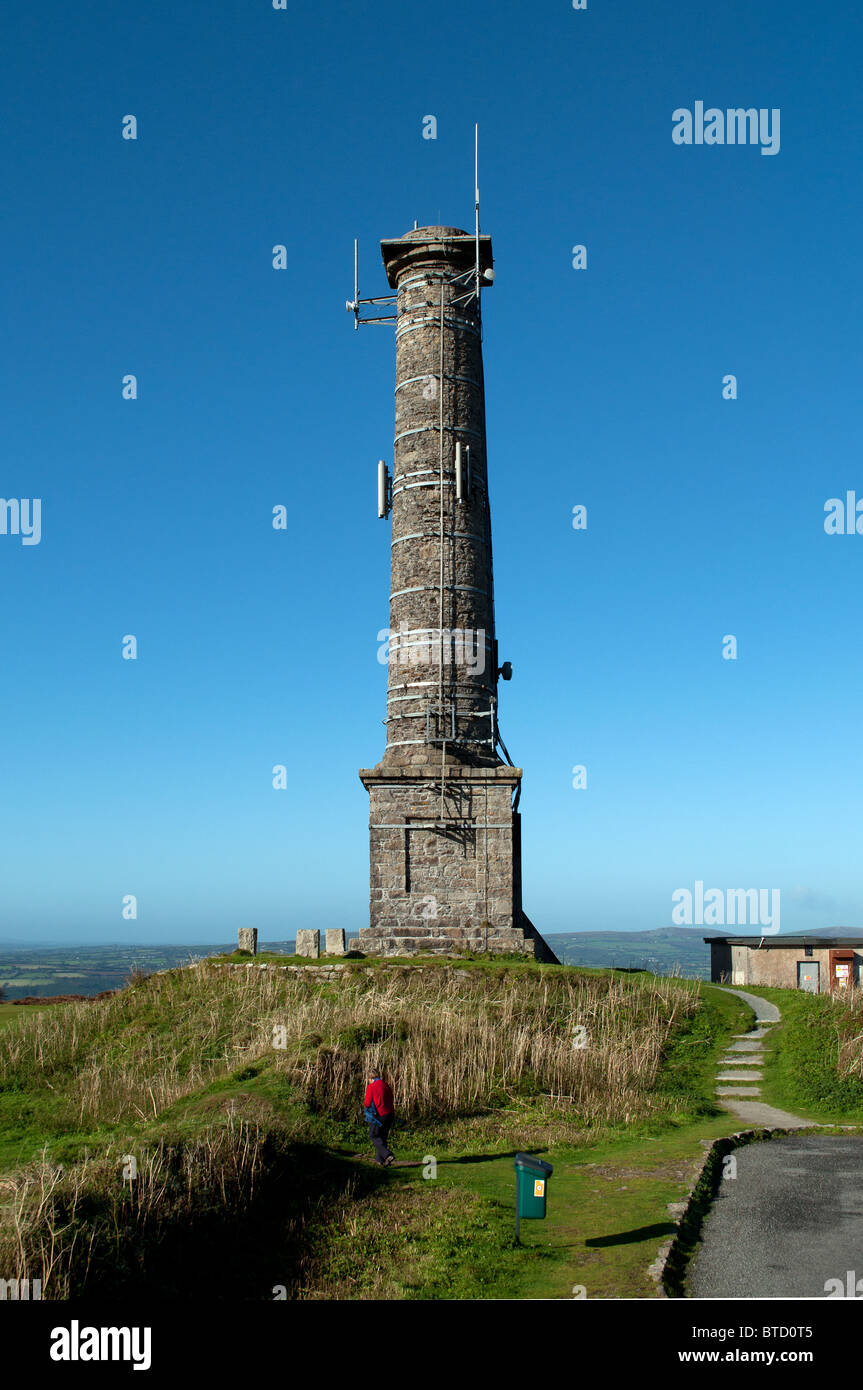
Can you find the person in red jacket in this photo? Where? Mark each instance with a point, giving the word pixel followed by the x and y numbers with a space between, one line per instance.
pixel 380 1113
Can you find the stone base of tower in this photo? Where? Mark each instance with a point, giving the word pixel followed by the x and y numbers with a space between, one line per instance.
pixel 453 941
pixel 446 869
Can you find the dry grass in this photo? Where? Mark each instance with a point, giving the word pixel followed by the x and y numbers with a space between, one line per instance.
pixel 453 1044
pixel 846 1016
pixel 459 1045
pixel 53 1220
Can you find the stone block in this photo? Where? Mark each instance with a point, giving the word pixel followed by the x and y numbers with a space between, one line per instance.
pixel 247 940
pixel 308 943
pixel 335 941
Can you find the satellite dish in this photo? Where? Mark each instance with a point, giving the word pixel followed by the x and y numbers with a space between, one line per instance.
pixel 488 275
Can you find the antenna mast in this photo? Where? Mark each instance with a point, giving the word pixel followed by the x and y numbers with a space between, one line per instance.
pixel 353 305
pixel 476 204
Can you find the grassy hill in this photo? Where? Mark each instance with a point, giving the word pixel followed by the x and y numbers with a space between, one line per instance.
pixel 209 1120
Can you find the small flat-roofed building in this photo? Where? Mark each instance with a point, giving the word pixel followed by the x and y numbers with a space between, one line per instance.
pixel 814 963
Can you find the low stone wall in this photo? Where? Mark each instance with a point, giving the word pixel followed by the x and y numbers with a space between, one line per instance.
pixel 324 971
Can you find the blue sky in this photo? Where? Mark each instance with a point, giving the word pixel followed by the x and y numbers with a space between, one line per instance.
pixel 604 387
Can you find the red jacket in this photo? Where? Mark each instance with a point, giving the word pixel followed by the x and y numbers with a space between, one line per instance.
pixel 380 1093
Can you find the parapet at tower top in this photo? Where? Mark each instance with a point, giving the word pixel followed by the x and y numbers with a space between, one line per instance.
pixel 426 245
pixel 424 233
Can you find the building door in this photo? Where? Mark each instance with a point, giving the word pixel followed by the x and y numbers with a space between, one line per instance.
pixel 841 970
pixel 808 976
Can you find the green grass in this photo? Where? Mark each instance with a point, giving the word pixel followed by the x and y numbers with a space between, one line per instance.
pixel 607 1214
pixel 691 1061
pixel 13 1013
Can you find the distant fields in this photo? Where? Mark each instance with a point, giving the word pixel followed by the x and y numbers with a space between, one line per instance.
pixel 91 969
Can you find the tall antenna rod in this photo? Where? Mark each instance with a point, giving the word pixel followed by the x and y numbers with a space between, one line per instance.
pixel 356 289
pixel 476 204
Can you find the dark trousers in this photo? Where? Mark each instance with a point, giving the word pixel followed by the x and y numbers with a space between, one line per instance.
pixel 379 1132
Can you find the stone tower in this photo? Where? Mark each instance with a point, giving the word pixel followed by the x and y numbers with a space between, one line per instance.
pixel 444 826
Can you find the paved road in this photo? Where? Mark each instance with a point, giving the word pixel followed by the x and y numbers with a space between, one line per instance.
pixel 790 1220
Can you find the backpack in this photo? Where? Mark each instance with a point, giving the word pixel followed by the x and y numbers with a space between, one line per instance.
pixel 371 1111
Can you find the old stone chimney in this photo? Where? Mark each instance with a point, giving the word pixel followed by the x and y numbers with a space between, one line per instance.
pixel 445 845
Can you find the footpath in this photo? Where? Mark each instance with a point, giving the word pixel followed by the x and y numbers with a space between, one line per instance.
pixel 740 1072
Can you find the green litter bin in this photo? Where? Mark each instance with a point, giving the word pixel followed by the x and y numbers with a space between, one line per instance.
pixel 531 1186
